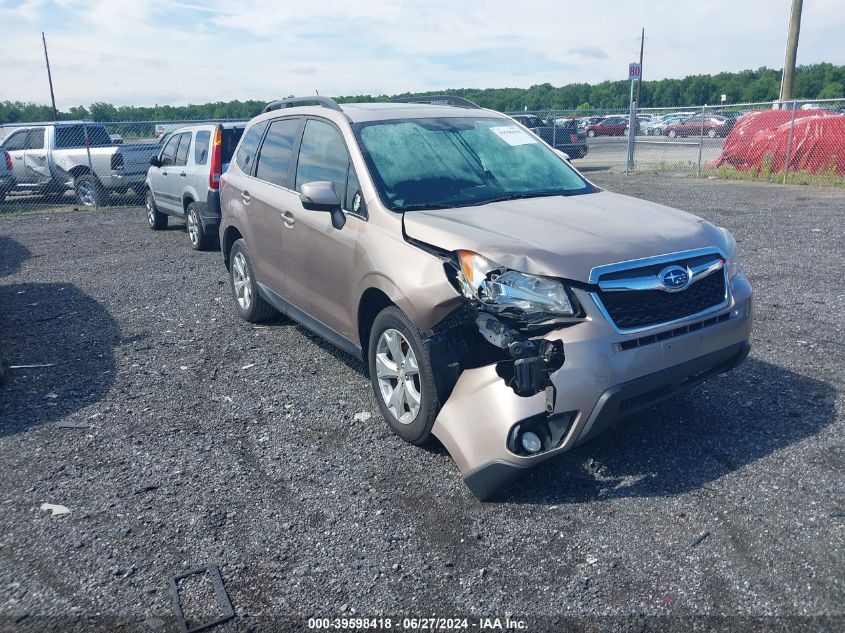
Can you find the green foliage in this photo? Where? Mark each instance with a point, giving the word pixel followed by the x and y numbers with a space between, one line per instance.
pixel 816 81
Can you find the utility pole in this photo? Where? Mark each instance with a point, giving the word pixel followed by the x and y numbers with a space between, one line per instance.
pixel 640 80
pixel 791 51
pixel 49 77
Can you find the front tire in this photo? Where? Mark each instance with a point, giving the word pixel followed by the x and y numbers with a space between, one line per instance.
pixel 250 305
pixel 402 377
pixel 712 133
pixel 672 134
pixel 591 133
pixel 196 235
pixel 155 218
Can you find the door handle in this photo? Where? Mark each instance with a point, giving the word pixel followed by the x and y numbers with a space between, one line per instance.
pixel 18 157
pixel 164 173
pixel 288 218
pixel 183 174
pixel 245 197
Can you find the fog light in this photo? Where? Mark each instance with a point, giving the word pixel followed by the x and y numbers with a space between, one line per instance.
pixel 530 442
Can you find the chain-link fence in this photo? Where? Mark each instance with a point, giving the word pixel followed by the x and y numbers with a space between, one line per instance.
pixel 800 142
pixel 103 164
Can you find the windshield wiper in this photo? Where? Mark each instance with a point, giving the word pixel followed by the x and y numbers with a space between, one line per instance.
pixel 520 196
pixel 424 207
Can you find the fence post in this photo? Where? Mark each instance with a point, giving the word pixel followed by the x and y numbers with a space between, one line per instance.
pixel 632 110
pixel 554 131
pixel 701 140
pixel 789 144
pixel 93 178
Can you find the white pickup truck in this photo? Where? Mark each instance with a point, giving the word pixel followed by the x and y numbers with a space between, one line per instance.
pixel 51 158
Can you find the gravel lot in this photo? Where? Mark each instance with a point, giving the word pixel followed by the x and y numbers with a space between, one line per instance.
pixel 179 436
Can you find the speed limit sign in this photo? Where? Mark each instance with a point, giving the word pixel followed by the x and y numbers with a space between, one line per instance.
pixel 634 70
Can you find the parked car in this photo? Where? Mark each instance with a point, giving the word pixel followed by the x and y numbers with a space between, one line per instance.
pixel 184 179
pixel 7 177
pixel 659 124
pixel 567 137
pixel 608 126
pixel 586 122
pixel 50 158
pixel 501 302
pixel 713 126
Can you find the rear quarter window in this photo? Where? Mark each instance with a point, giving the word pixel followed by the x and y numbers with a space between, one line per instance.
pixel 201 144
pixel 249 145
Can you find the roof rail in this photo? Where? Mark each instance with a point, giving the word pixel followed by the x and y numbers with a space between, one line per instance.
pixel 290 102
pixel 459 102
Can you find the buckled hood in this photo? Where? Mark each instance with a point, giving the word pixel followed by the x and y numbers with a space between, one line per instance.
pixel 563 236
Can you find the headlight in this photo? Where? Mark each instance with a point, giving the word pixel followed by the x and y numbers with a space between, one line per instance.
pixel 731 263
pixel 504 290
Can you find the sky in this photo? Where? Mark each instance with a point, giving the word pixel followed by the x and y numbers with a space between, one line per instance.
pixel 147 52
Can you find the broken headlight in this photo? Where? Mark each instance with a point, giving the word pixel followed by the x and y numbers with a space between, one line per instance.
pixel 505 291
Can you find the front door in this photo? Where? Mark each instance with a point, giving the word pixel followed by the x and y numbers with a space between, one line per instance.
pixel 320 259
pixel 15 144
pixel 159 175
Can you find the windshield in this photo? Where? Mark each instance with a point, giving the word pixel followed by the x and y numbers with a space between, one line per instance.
pixel 453 162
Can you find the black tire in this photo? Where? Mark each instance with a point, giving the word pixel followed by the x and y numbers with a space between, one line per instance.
pixel 197 238
pixel 89 191
pixel 155 218
pixel 256 309
pixel 417 431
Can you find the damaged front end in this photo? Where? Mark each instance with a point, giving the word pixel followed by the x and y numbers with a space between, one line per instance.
pixel 510 310
pixel 500 328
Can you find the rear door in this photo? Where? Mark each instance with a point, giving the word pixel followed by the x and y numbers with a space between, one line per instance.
pixel 178 177
pixel 36 160
pixel 269 199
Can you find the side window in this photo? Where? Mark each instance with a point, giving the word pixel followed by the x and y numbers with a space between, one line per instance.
pixel 322 156
pixel 182 151
pixel 168 154
pixel 274 157
pixel 35 139
pixel 201 143
pixel 16 141
pixel 70 136
pixel 249 145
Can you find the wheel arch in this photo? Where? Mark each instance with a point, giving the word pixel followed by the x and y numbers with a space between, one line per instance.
pixel 231 235
pixel 373 300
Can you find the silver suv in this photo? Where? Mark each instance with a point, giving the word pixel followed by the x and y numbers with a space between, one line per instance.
pixel 501 301
pixel 184 179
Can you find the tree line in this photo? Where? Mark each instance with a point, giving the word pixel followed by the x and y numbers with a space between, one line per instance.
pixel 815 81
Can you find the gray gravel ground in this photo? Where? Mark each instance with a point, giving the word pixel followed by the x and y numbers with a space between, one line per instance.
pixel 198 438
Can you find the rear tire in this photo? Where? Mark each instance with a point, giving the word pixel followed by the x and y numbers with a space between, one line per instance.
pixel 672 134
pixel 196 234
pixel 712 133
pixel 89 191
pixel 402 376
pixel 155 218
pixel 591 133
pixel 249 304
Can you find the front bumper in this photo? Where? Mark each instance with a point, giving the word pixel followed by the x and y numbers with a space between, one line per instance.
pixel 599 381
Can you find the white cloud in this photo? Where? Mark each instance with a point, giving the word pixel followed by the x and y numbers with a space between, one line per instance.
pixel 155 51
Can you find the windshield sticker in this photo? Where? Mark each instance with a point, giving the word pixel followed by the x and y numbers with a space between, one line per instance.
pixel 512 135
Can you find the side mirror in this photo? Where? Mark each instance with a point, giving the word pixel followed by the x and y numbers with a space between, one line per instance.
pixel 320 195
pixel 154 161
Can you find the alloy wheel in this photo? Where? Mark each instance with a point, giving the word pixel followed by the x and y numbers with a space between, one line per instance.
pixel 193 227
pixel 148 202
pixel 398 376
pixel 241 281
pixel 85 193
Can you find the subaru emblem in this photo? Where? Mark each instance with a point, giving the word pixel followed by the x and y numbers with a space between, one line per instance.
pixel 674 278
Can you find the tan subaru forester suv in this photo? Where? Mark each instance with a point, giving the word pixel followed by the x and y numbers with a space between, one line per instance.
pixel 502 302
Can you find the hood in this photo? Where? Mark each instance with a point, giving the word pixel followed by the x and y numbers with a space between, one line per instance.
pixel 563 236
